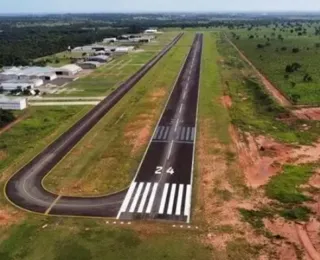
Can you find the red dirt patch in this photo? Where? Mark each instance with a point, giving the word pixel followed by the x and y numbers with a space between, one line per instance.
pixel 226 101
pixel 307 113
pixel 262 157
pixel 9 217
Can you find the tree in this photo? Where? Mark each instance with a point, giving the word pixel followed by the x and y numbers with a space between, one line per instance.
pixel 6 117
pixel 260 46
pixel 295 50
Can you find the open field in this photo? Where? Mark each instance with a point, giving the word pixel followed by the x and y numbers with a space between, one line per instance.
pixel 106 159
pixel 39 126
pixel 274 50
pixel 277 157
pixel 66 239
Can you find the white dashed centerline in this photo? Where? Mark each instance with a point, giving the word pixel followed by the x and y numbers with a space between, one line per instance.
pixel 170 149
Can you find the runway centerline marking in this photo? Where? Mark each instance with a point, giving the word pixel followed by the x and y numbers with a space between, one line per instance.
pixel 170 149
pixel 181 106
pixel 176 126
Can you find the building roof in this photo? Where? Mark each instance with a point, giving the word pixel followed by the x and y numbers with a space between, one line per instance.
pixel 22 81
pixel 28 71
pixel 91 62
pixel 70 67
pixel 102 57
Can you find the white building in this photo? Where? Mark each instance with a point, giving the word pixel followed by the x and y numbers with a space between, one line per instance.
pixel 15 84
pixel 27 73
pixel 124 49
pixel 68 70
pixel 99 58
pixel 13 103
pixel 151 31
pixel 89 65
pixel 109 40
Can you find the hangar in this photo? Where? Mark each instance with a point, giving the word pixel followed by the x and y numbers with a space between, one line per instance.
pixel 89 65
pixel 68 70
pixel 13 103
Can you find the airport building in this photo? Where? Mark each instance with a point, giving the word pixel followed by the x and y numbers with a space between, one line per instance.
pixel 13 103
pixel 68 70
pixel 99 58
pixel 89 65
pixel 109 40
pixel 151 31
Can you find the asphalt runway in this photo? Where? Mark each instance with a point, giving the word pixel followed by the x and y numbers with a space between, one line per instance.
pixel 25 189
pixel 162 187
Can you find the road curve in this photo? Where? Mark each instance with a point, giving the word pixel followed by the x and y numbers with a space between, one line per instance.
pixel 25 190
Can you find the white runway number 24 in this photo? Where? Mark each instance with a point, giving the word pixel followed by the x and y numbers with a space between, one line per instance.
pixel 159 170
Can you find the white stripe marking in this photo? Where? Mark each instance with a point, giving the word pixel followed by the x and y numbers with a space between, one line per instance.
pixel 136 197
pixel 175 128
pixel 184 94
pixel 144 197
pixel 128 197
pixel 178 208
pixel 170 149
pixel 153 195
pixel 163 198
pixel 181 106
pixel 187 205
pixel 173 191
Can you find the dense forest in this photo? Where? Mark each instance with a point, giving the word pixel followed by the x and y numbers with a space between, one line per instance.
pixel 20 45
pixel 24 38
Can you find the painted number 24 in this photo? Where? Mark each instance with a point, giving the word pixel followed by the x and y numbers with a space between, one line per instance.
pixel 159 170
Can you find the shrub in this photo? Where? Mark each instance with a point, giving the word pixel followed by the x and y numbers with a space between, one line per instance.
pixel 295 50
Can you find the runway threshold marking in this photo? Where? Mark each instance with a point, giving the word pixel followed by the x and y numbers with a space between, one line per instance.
pixel 52 204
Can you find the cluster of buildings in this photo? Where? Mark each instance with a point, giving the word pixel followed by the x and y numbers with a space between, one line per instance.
pixel 31 77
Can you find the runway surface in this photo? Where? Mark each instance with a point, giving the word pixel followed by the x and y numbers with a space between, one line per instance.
pixel 25 189
pixel 162 188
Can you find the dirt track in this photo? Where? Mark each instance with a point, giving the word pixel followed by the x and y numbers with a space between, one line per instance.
pixel 282 100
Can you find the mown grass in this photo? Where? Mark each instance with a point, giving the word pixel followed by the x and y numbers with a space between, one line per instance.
pixel 106 159
pixel 276 54
pixel 254 110
pixel 25 137
pixel 107 78
pixel 65 239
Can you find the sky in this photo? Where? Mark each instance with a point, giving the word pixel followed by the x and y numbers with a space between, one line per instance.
pixel 87 6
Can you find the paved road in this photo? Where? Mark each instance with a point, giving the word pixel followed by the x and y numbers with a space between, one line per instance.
pixel 163 185
pixel 25 190
pixel 63 103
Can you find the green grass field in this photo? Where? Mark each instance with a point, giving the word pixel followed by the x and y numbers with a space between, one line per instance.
pixel 40 126
pixel 254 110
pixel 271 50
pixel 65 239
pixel 107 158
